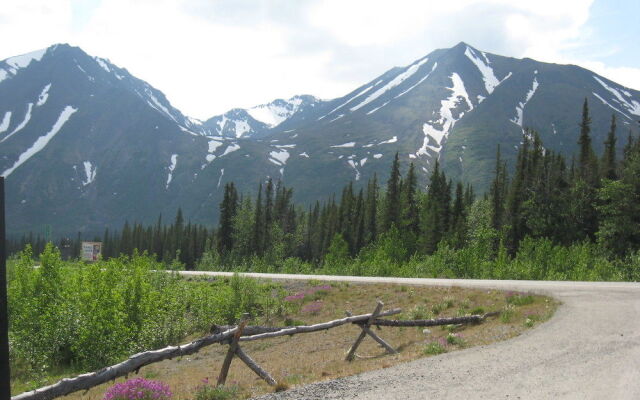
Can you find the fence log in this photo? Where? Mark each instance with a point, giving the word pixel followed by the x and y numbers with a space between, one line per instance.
pixel 255 367
pixel 429 322
pixel 294 330
pixel 133 363
pixel 354 347
pixel 249 330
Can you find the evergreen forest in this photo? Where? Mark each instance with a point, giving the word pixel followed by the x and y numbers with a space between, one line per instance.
pixel 551 218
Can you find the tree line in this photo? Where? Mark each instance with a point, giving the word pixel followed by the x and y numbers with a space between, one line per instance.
pixel 590 199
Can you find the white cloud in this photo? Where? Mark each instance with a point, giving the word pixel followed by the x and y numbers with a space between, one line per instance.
pixel 35 24
pixel 208 57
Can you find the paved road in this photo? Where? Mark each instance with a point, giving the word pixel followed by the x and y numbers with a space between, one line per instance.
pixel 589 350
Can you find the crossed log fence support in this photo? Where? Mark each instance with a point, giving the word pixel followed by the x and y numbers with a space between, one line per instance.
pixel 234 349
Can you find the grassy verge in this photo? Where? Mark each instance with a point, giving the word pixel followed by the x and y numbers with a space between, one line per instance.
pixel 306 358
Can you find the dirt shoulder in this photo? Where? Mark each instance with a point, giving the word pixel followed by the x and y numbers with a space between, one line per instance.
pixel 589 350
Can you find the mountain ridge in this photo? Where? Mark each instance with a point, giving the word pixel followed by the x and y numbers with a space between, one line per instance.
pixel 125 153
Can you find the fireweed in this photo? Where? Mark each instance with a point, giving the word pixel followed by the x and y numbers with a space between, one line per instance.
pixel 138 389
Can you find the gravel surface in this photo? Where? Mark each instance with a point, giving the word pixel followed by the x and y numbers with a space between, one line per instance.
pixel 590 349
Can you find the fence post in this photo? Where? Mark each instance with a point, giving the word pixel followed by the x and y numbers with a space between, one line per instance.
pixel 222 378
pixel 363 333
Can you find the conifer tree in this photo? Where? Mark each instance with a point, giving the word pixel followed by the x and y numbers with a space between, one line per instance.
pixel 392 200
pixel 258 225
pixel 498 192
pixel 410 218
pixel 609 157
pixel 435 220
pixel 587 161
pixel 371 211
pixel 228 209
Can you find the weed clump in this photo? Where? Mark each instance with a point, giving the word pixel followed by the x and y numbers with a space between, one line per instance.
pixel 434 348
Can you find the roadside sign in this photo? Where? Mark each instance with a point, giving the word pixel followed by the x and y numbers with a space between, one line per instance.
pixel 91 251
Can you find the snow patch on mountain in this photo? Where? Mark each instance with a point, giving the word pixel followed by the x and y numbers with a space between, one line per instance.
pixel 24 123
pixel 632 106
pixel 412 69
pixel 6 120
pixel 337 118
pixel 172 167
pixel 363 91
pixel 377 108
pixel 275 113
pixel 221 123
pixel 230 149
pixel 102 63
pixel 610 106
pixel 304 154
pixel 42 141
pixel 344 145
pixel 242 127
pixel 221 175
pixel 377 156
pixel 352 164
pixel 44 95
pixel 18 62
pixel 439 129
pixel 157 105
pixel 279 157
pixel 419 82
pixel 520 107
pixel 90 173
pixel 489 78
pixel 392 140
pixel 213 145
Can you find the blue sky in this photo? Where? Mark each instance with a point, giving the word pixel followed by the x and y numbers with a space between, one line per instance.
pixel 208 56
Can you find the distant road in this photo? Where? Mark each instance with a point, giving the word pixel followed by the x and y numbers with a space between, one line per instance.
pixel 590 349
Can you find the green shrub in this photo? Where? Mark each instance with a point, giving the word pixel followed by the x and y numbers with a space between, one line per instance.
pixel 519 299
pixel 87 316
pixel 434 348
pixel 207 391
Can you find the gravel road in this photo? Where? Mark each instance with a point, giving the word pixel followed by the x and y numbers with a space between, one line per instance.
pixel 590 349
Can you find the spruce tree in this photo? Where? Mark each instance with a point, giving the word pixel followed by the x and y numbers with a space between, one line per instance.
pixel 587 161
pixel 258 225
pixel 498 192
pixel 392 200
pixel 228 209
pixel 371 211
pixel 410 218
pixel 609 157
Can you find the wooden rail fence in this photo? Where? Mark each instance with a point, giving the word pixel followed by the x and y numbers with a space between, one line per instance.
pixel 233 336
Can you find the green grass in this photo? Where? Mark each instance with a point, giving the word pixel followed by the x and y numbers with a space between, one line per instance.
pixel 434 348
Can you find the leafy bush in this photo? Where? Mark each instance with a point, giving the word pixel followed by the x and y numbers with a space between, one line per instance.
pixel 91 315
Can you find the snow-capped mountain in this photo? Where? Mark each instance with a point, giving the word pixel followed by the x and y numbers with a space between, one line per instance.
pixel 84 145
pixel 260 119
